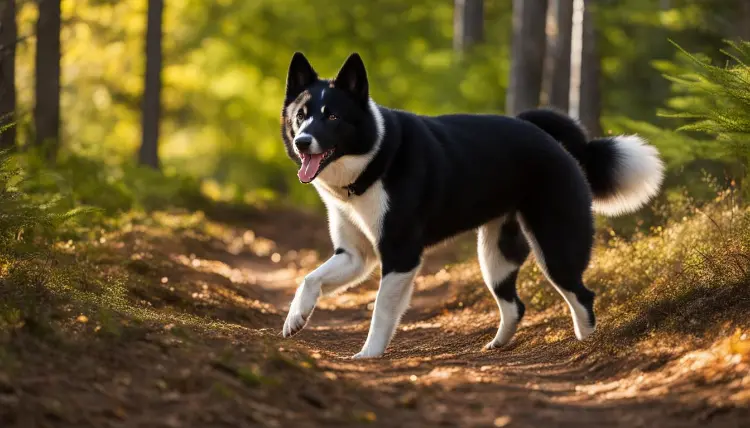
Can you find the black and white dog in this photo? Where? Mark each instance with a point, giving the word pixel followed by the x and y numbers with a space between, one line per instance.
pixel 396 183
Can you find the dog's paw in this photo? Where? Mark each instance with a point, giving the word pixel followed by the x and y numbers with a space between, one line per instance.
pixel 583 330
pixel 362 355
pixel 503 337
pixel 301 308
pixel 493 344
pixel 368 352
pixel 294 323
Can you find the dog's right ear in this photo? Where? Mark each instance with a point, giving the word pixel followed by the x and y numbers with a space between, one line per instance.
pixel 300 75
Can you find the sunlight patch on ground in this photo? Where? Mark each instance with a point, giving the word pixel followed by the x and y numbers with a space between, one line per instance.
pixel 726 359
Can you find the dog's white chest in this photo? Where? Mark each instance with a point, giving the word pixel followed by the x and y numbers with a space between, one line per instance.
pixel 366 211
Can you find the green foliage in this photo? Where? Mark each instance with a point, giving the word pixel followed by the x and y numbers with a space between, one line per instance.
pixel 705 103
pixel 225 64
pixel 716 100
pixel 5 126
pixel 26 219
pixel 635 34
pixel 224 69
pixel 113 188
pixel 42 208
pixel 29 224
pixel 224 72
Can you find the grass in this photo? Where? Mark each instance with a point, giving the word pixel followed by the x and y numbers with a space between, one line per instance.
pixel 683 277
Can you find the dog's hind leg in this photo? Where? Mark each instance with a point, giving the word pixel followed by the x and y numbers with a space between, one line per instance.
pixel 502 249
pixel 562 247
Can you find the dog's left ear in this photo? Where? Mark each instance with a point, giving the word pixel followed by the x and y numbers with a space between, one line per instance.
pixel 352 77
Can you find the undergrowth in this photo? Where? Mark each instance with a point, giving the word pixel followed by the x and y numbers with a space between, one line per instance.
pixel 687 276
pixel 716 99
pixel 114 188
pixel 28 225
pixel 54 268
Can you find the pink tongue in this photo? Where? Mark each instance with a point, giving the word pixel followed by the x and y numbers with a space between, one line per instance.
pixel 310 165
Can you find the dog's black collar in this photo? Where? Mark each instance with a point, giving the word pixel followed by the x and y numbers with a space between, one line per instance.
pixel 361 184
pixel 375 170
pixel 372 173
pixel 352 189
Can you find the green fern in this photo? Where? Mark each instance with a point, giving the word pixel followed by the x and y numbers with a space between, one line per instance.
pixel 24 218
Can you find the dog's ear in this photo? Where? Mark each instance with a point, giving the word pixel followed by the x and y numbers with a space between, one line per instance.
pixel 352 77
pixel 300 76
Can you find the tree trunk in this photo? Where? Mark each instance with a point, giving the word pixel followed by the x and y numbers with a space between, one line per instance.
pixel 558 51
pixel 149 153
pixel 8 36
pixel 527 55
pixel 468 24
pixel 590 107
pixel 743 24
pixel 47 87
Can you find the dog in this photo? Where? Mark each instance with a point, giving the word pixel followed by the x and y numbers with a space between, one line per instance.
pixel 396 183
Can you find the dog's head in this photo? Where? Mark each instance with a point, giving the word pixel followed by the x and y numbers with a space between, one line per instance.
pixel 324 121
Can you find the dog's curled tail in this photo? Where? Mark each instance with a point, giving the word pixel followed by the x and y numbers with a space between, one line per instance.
pixel 624 172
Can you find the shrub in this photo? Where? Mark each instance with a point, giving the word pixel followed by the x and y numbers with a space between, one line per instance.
pixel 715 100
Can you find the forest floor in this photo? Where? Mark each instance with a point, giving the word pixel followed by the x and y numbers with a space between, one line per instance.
pixel 179 325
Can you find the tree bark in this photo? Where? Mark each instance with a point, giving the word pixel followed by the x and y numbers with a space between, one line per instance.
pixel 8 37
pixel 149 152
pixel 527 55
pixel 743 24
pixel 47 86
pixel 590 101
pixel 558 51
pixel 468 24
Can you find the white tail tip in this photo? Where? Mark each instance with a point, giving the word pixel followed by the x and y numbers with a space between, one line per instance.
pixel 639 173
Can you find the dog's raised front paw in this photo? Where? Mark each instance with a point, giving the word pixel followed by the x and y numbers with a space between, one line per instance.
pixel 294 323
pixel 301 308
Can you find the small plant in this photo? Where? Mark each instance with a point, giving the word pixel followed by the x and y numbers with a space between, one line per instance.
pixel 28 224
pixel 23 217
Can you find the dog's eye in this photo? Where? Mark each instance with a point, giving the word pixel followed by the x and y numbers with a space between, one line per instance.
pixel 332 116
pixel 300 115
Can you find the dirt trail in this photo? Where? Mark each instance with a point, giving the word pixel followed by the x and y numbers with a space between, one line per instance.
pixel 434 372
pixel 436 366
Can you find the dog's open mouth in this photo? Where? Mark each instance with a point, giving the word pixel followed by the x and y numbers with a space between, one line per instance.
pixel 311 164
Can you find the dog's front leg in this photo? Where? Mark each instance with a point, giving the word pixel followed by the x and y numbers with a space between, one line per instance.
pixel 343 268
pixel 399 268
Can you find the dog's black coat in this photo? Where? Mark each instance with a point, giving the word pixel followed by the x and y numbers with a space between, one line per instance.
pixel 454 173
pixel 447 174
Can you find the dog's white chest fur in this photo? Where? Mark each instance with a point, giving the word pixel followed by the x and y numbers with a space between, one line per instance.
pixel 365 211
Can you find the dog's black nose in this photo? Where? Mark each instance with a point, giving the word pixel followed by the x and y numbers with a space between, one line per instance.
pixel 303 142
